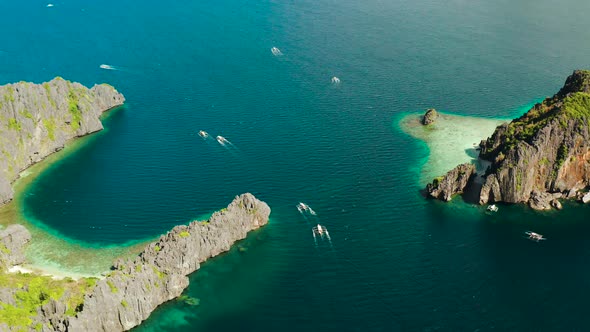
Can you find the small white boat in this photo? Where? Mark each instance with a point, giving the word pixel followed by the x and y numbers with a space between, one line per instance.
pixel 335 80
pixel 275 51
pixel 302 207
pixel 534 236
pixel 492 208
pixel 221 140
pixel 320 230
pixel 107 67
pixel 203 134
pixel 49 5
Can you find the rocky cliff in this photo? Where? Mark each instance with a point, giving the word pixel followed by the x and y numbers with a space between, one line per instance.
pixel 13 240
pixel 542 156
pixel 158 274
pixel 38 119
pixel 454 182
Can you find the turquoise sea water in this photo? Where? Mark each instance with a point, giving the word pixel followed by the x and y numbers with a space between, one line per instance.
pixel 397 261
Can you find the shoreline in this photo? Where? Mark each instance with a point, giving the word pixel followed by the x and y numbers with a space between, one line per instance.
pixel 452 139
pixel 46 272
pixel 49 252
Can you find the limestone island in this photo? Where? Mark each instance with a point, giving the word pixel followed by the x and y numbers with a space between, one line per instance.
pixel 37 120
pixel 538 158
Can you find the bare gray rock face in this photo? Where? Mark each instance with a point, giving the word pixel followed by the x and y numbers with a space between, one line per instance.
pixel 38 119
pixel 159 273
pixel 540 200
pixel 454 182
pixel 544 152
pixel 13 240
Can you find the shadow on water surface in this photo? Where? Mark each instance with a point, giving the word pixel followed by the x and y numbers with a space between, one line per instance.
pixel 483 260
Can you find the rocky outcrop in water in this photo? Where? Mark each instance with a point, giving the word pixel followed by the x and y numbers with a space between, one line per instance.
pixel 429 117
pixel 543 155
pixel 38 119
pixel 452 183
pixel 158 274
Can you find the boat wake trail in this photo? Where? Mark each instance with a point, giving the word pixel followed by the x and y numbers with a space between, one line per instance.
pixel 229 146
pixel 108 67
pixel 321 232
pixel 305 209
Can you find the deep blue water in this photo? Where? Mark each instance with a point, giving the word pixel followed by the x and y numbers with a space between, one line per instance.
pixel 398 262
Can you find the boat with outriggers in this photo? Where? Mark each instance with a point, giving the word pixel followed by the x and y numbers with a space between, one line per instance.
pixel 534 236
pixel 492 208
pixel 203 134
pixel 221 140
pixel 302 207
pixel 320 230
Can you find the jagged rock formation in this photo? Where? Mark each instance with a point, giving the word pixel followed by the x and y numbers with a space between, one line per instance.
pixel 544 154
pixel 454 182
pixel 429 117
pixel 13 240
pixel 38 119
pixel 158 274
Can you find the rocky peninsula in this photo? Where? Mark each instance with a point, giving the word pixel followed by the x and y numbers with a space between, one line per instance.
pixel 134 287
pixel 537 159
pixel 38 119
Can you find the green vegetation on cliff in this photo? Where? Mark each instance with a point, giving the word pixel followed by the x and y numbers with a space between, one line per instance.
pixel 34 291
pixel 74 109
pixel 572 103
pixel 577 106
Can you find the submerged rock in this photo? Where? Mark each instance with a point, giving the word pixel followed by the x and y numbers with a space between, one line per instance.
pixel 586 198
pixel 192 301
pixel 430 116
pixel 454 182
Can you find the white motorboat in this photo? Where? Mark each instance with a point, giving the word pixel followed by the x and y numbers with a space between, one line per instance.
pixel 221 140
pixel 275 51
pixel 492 208
pixel 534 236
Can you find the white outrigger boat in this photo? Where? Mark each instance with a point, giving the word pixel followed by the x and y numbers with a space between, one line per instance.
pixel 320 231
pixel 302 207
pixel 534 236
pixel 221 140
pixel 492 208
pixel 203 134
